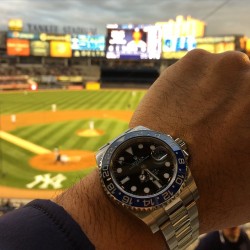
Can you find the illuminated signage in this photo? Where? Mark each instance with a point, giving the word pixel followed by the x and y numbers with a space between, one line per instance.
pixel 73 79
pixel 174 55
pixel 22 35
pixel 60 49
pixel 88 45
pixel 179 36
pixel 217 47
pixel 182 27
pixel 15 24
pixel 51 37
pixel 39 48
pixel 217 44
pixel 215 39
pixel 18 47
pixel 88 42
pixel 175 44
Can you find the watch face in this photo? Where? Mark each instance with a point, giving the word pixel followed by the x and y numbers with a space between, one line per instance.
pixel 143 166
pixel 143 169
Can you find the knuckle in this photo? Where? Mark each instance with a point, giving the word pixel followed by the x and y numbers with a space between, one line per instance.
pixel 234 59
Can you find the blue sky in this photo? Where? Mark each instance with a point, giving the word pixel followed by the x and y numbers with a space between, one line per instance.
pixel 221 16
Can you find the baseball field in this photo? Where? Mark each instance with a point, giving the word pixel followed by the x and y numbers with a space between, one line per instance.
pixel 36 127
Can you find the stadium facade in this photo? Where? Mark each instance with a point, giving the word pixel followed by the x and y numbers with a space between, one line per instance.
pixel 128 53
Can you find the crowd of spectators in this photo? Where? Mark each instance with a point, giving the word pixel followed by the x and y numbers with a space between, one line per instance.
pixel 41 70
pixel 8 205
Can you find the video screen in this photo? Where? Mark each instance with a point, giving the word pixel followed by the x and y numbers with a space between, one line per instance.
pixel 133 42
pixel 18 47
pixel 88 45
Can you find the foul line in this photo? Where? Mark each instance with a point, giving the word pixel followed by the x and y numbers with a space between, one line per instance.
pixel 23 143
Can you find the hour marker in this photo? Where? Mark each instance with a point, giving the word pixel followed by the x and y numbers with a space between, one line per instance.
pixel 121 159
pixel 126 179
pixel 133 188
pixel 157 183
pixel 167 164
pixel 130 151
pixel 140 146
pixel 152 147
pixel 166 175
pixel 119 170
pixel 146 190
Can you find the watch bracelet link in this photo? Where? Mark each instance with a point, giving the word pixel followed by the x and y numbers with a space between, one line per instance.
pixel 178 221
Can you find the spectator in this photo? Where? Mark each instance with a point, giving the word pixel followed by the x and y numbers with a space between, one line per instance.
pixel 233 238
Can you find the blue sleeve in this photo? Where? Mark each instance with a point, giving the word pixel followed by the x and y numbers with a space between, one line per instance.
pixel 41 225
pixel 211 241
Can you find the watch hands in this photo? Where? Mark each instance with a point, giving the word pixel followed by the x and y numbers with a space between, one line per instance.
pixel 142 176
pixel 159 154
pixel 152 175
pixel 154 179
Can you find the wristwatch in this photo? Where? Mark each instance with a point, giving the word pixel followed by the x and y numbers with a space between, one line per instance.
pixel 146 172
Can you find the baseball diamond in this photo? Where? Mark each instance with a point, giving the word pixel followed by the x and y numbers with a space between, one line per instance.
pixel 31 141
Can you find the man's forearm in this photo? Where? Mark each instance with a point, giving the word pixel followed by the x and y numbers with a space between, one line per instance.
pixel 106 225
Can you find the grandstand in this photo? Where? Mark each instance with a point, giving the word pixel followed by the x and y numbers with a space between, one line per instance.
pixel 65 60
pixel 17 82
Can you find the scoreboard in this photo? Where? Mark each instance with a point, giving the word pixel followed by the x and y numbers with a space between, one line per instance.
pixel 88 45
pixel 54 45
pixel 133 42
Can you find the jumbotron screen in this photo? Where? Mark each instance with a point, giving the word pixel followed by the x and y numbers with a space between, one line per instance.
pixel 133 42
pixel 88 45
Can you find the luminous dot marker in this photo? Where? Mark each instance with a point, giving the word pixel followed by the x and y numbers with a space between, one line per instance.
pixel 166 175
pixel 119 170
pixel 152 147
pixel 121 159
pixel 140 146
pixel 133 188
pixel 146 190
pixel 167 164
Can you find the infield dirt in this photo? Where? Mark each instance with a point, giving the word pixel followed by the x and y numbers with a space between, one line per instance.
pixel 46 162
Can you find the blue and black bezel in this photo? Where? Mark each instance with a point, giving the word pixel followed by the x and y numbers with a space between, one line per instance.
pixel 140 202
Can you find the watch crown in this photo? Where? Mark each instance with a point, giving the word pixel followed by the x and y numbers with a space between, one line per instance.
pixel 181 143
pixel 183 147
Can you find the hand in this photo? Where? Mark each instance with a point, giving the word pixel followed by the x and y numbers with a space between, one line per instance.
pixel 205 100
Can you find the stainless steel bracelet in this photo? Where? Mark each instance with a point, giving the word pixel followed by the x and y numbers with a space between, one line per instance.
pixel 178 221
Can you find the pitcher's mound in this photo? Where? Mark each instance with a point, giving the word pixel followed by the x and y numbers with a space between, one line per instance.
pixel 71 160
pixel 90 132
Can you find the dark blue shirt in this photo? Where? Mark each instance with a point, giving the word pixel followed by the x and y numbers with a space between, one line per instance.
pixel 41 225
pixel 213 241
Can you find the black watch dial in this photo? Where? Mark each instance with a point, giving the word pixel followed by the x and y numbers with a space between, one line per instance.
pixel 143 166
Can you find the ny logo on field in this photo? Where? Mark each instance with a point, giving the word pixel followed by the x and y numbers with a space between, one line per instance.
pixel 44 181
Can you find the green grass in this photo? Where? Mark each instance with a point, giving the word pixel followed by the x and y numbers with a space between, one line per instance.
pixel 23 102
pixel 15 170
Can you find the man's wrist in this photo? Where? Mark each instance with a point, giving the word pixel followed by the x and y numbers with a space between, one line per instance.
pixel 107 225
